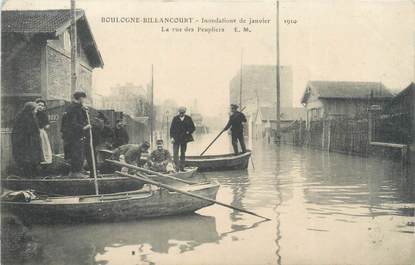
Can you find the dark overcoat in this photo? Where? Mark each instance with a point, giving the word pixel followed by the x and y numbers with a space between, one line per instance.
pixel 120 136
pixel 235 123
pixel 73 122
pixel 181 131
pixel 42 119
pixel 26 144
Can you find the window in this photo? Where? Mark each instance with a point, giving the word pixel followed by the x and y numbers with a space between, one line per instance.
pixel 315 114
pixel 66 41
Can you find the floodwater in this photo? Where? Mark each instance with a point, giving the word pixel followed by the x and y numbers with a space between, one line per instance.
pixel 325 209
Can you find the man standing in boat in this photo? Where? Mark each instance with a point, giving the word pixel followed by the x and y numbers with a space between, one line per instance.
pixel 181 130
pixel 74 131
pixel 235 123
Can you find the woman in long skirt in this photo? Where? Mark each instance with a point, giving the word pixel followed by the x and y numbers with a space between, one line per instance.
pixel 27 149
pixel 43 123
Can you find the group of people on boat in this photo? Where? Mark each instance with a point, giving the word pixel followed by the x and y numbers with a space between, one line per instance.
pixel 32 150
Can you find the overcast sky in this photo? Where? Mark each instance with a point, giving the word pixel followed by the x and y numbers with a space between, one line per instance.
pixel 332 40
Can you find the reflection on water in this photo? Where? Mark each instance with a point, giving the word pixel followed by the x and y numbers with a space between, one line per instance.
pixel 325 209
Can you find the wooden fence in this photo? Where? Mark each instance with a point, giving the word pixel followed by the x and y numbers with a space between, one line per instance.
pixel 394 128
pixel 341 135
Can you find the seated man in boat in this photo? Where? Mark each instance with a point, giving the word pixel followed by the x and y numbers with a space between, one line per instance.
pixel 131 153
pixel 160 159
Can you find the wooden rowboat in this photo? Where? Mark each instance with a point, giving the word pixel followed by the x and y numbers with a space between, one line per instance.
pixel 64 186
pixel 116 206
pixel 219 162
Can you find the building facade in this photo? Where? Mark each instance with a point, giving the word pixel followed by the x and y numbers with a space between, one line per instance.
pixel 36 58
pixel 342 99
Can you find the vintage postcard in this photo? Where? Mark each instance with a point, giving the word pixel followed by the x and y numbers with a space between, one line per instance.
pixel 234 132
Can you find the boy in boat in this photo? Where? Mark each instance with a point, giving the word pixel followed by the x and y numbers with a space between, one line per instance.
pixel 160 159
pixel 131 153
pixel 235 123
pixel 181 130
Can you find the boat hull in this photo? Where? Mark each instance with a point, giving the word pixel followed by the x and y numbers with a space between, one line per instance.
pixel 71 187
pixel 109 207
pixel 219 162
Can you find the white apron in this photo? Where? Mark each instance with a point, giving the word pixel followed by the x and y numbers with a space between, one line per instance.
pixel 46 149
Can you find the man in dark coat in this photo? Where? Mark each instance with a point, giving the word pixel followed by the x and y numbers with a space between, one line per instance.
pixel 181 130
pixel 235 123
pixel 74 131
pixel 26 145
pixel 120 134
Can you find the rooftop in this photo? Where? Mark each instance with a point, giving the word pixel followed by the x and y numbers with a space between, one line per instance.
pixel 346 89
pixel 50 23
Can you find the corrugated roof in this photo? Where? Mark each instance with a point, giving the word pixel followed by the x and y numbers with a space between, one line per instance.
pixel 346 89
pixel 35 21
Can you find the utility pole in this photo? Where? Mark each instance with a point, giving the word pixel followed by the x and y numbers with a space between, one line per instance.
pixel 152 107
pixel 278 71
pixel 240 82
pixel 73 48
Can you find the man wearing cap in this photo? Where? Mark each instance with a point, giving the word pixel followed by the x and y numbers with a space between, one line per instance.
pixel 74 130
pixel 131 153
pixel 235 123
pixel 120 134
pixel 181 130
pixel 160 159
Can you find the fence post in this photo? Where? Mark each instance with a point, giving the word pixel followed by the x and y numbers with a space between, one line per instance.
pixel 323 134
pixel 329 136
pixel 370 125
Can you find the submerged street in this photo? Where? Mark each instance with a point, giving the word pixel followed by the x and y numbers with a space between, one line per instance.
pixel 325 208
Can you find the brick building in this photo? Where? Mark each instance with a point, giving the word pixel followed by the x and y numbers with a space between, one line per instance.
pixel 36 57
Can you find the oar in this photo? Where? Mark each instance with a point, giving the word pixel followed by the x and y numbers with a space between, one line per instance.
pixel 147 171
pixel 91 145
pixel 168 187
pixel 214 140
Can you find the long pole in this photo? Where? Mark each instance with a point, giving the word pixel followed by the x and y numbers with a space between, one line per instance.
pixel 168 187
pixel 91 146
pixel 214 140
pixel 241 80
pixel 147 171
pixel 152 107
pixel 167 129
pixel 277 77
pixel 73 47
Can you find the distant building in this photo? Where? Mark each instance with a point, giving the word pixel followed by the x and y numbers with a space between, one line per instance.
pixel 266 117
pixel 330 99
pixel 129 98
pixel 36 57
pixel 259 87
